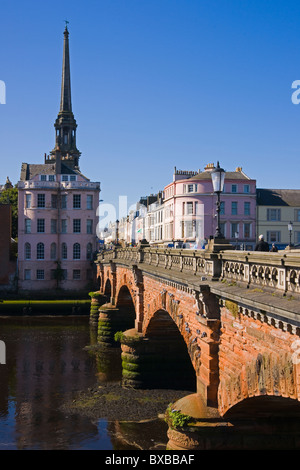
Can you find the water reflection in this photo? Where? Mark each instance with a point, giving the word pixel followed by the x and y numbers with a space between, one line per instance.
pixel 46 363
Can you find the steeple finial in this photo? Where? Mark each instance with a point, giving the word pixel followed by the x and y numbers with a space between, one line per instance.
pixel 65 124
pixel 65 100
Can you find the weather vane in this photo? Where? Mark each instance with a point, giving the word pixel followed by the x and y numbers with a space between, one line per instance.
pixel 67 22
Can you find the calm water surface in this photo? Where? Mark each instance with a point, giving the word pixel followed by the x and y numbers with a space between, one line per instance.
pixel 46 363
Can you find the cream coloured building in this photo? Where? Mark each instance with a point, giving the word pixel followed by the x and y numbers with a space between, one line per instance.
pixel 276 209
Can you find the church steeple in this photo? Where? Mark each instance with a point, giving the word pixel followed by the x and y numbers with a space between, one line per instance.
pixel 65 100
pixel 65 124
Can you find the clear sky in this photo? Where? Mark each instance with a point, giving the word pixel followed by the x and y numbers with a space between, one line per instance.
pixel 155 84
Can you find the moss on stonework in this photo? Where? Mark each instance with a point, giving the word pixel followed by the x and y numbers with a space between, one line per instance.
pixel 129 374
pixel 232 307
pixel 122 338
pixel 130 366
pixel 131 358
pixel 177 420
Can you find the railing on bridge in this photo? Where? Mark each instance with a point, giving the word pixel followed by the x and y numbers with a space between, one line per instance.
pixel 276 271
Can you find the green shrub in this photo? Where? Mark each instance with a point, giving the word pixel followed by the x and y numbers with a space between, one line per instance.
pixel 176 419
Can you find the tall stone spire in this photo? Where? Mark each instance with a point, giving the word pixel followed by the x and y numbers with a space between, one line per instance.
pixel 65 100
pixel 65 124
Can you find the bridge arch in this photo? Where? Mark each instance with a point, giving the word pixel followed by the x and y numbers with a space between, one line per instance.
pixel 264 407
pixel 124 298
pixel 266 378
pixel 107 289
pixel 170 353
pixel 126 307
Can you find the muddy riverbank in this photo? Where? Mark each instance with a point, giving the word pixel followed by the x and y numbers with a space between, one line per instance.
pixel 112 402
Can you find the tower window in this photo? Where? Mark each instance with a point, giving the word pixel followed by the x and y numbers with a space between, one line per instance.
pixel 89 226
pixel 27 225
pixel 76 225
pixel 89 201
pixel 27 251
pixel 64 251
pixel 76 251
pixel 41 200
pixel 53 226
pixel 53 251
pixel 28 201
pixel 65 138
pixel 40 274
pixel 76 201
pixel 89 251
pixel 64 201
pixel 64 226
pixel 54 201
pixel 40 251
pixel 40 225
pixel 76 274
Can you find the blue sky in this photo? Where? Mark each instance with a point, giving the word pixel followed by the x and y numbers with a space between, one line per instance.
pixel 155 84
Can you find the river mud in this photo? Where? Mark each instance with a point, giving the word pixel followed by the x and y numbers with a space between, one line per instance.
pixel 112 402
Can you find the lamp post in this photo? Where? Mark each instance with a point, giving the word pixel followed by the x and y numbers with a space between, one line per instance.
pixel 117 232
pixel 290 229
pixel 218 177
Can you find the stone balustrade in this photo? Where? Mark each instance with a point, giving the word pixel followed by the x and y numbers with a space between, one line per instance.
pixel 271 271
pixel 58 184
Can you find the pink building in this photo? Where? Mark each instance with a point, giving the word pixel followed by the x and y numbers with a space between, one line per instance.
pixel 190 208
pixel 57 209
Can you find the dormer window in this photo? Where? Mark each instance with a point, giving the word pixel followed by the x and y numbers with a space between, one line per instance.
pixel 47 177
pixel 190 188
pixel 69 177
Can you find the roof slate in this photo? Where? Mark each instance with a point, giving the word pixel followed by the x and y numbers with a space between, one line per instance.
pixel 30 170
pixel 278 197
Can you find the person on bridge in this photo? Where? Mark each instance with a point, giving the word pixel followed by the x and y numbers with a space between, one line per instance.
pixel 261 245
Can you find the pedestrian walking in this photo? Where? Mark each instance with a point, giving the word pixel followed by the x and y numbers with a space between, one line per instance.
pixel 261 245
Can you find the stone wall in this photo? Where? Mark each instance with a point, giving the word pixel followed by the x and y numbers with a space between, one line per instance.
pixel 254 359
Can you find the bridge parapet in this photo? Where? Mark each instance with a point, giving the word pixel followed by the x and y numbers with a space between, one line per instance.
pixel 272 271
pixel 189 262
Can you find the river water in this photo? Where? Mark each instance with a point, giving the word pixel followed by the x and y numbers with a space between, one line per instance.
pixel 46 363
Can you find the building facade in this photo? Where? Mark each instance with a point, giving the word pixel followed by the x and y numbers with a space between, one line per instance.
pixel 57 209
pixel 184 214
pixel 8 261
pixel 278 216
pixel 190 208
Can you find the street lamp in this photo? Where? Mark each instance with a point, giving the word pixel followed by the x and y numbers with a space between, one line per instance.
pixel 290 229
pixel 117 232
pixel 218 177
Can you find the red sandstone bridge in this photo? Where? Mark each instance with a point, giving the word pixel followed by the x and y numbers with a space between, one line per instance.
pixel 223 322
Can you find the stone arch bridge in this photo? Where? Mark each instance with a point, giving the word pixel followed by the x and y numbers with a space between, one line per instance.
pixel 224 322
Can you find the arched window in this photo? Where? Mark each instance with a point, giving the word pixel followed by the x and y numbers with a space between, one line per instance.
pixel 89 251
pixel 76 251
pixel 40 251
pixel 27 251
pixel 53 251
pixel 64 251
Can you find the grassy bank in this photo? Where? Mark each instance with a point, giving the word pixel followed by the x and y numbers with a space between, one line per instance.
pixel 44 307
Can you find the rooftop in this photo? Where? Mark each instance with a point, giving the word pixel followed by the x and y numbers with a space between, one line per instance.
pixel 278 197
